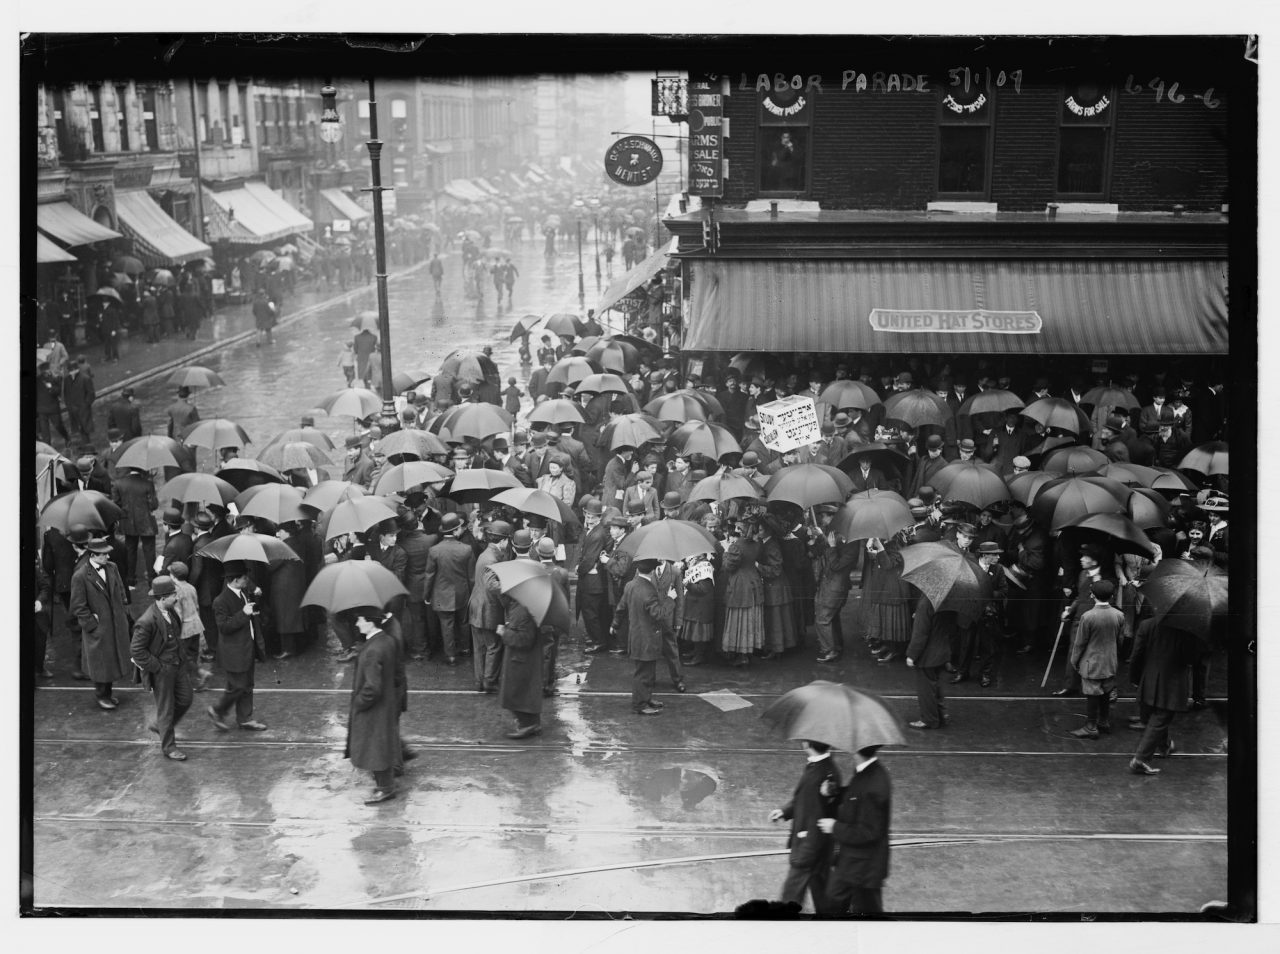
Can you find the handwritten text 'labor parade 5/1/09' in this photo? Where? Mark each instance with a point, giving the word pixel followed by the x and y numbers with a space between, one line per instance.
pixel 997 322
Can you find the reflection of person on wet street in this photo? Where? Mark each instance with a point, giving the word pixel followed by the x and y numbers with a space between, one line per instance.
pixel 373 731
pixel 815 798
pixel 158 652
pixel 861 833
pixel 436 268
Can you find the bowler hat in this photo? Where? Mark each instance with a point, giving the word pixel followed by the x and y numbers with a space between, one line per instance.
pixel 519 438
pixel 353 441
pixel 645 566
pixel 904 378
pixel 671 500
pixel 593 506
pixel 635 508
pixel 616 520
pixel 750 459
pixel 172 517
pixel 545 547
pixel 933 442
pixel 78 535
pixel 990 546
pixel 967 529
pixel 98 546
pixel 162 586
pixel 917 506
pixel 85 465
pixel 841 419
pixel 538 438
pixel 522 540
pixel 498 530
pixel 927 494
pixel 203 521
pixel 968 445
pixel 450 522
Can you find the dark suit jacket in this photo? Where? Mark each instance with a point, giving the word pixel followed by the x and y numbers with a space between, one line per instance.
pixel 177 547
pixel 126 417
pixel 417 550
pixel 808 844
pixel 205 573
pixel 642 619
pixel 149 635
pixel 451 568
pixel 931 632
pixel 875 480
pixel 239 636
pixel 861 831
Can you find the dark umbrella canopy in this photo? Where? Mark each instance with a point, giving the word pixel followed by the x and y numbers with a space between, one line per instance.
pixel 916 408
pixel 1074 460
pixel 351 402
pixel 871 514
pixel 950 580
pixel 725 487
pixel 351 584
pixel 469 366
pixel 1059 413
pixel 606 383
pixel 530 584
pixel 631 430
pixel 807 485
pixel 90 507
pixel 242 473
pixel 972 482
pixel 843 717
pixel 1131 475
pixel 524 326
pixel 1067 499
pixel 1114 530
pixel 402 478
pixel 749 365
pixel 309 435
pixel 536 502
pixel 328 493
pixel 848 393
pixel 479 484
pixel 476 421
pixel 683 405
pixel 357 515
pixel 888 459
pixel 616 356
pixel 278 503
pixel 1190 595
pixel 556 411
pixel 563 323
pixel 216 433
pixel 151 452
pixel 702 437
pixel 253 547
pixel 202 489
pixel 1209 459
pixel 990 401
pixel 669 540
pixel 412 442
pixel 1147 508
pixel 1024 487
pixel 571 369
pixel 1110 397
pixel 194 376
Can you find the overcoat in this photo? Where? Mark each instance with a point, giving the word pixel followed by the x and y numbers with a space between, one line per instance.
pixel 136 496
pixel 102 610
pixel 288 583
pixel 239 643
pixel 373 732
pixel 1160 664
pixel 149 634
pixel 642 619
pixel 523 642
pixel 485 606
pixel 861 831
pixel 931 634
pixel 743 584
pixel 807 841
pixel 451 568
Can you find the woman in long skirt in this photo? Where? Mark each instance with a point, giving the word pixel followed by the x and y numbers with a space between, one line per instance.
pixel 779 622
pixel 744 599
pixel 698 625
pixel 887 601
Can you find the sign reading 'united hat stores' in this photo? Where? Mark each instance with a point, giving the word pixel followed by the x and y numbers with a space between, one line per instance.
pixel 904 321
pixel 633 161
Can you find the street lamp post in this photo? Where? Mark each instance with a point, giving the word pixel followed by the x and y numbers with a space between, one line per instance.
pixel 595 221
pixel 578 207
pixel 331 131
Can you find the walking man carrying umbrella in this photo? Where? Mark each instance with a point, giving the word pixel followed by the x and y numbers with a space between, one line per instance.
pixel 811 847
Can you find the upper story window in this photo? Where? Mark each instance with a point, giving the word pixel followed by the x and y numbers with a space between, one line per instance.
pixel 784 127
pixel 122 116
pixel 1084 140
pixel 95 118
pixel 399 119
pixel 965 114
pixel 150 125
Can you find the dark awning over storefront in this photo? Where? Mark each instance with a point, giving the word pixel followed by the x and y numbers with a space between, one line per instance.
pixel 1017 306
pixel 158 240
pixel 66 223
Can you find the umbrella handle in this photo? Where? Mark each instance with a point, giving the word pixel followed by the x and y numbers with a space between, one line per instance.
pixel 1057 639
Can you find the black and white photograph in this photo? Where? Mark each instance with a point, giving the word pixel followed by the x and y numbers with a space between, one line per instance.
pixel 835 534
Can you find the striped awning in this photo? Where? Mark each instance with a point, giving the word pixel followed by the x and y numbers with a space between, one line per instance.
pixel 47 253
pixel 68 224
pixel 344 205
pixel 637 277
pixel 253 215
pixel 1023 306
pixel 157 239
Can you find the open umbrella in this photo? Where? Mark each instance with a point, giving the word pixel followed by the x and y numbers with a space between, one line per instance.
pixel 295 455
pixel 669 540
pixel 109 293
pixel 684 405
pixel 366 321
pixel 524 326
pixel 872 513
pixel 1074 460
pixel 351 402
pixel 1147 509
pixel 1109 397
pixel 1059 413
pixel 807 485
pixel 262 257
pixel 603 384
pixel 90 507
pixel 990 401
pixel 916 408
pixel 471 366
pixel 357 514
pixel 328 493
pixel 1209 459
pixel 1115 530
pixel 278 503
pixel 556 411
pixel 1067 499
pixel 972 482
pixel 43 448
pixel 570 370
pixel 253 547
pixel 1131 475
pixel 848 393
pixel 161 276
pixel 632 430
pixel 194 376
pixel 725 487
pixel 476 421
pixel 950 580
pixel 1052 442
pixel 615 356
pixel 701 437
pixel 413 442
pixel 1189 595
pixel 531 585
pixel 479 484
pixel 888 459
pixel 121 280
pixel 642 346
pixel 1024 487
pixel 536 502
pixel 215 433
pixel 585 344
pixel 1172 481
pixel 311 435
pixel 151 452
pixel 414 473
pixel 402 381
pixel 563 323
pixel 243 473
pixel 749 364
pixel 198 488
pixel 838 715
pixel 127 264
pixel 351 584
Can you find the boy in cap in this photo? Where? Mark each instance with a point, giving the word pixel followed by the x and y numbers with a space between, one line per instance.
pixel 188 609
pixel 159 652
pixel 1094 655
pixel 988 632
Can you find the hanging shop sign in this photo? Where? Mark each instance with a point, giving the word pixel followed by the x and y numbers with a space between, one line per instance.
pixel 789 423
pixel 633 161
pixel 958 321
pixel 706 137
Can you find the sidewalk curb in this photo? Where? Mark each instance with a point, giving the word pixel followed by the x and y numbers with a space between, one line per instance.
pixel 235 339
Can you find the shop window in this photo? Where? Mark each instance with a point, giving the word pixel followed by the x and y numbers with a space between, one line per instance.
pixel 964 140
pixel 122 116
pixel 784 125
pixel 1084 140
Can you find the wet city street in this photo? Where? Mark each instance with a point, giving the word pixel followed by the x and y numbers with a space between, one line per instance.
pixel 605 811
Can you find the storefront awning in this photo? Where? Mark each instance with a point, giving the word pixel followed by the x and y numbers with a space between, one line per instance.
pixel 465 191
pixel 67 224
pixel 343 205
pixel 157 239
pixel 486 185
pixel 638 277
pixel 253 215
pixel 1071 306
pixel 47 253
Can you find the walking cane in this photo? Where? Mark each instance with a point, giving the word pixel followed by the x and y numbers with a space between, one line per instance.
pixel 1056 640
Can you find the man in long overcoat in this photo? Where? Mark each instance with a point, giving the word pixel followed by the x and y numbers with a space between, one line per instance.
pixel 135 493
pixel 523 647
pixel 928 653
pixel 1160 664
pixel 240 645
pixel 486 610
pixel 446 586
pixel 815 797
pixel 373 729
pixel 100 604
pixel 417 547
pixel 642 621
pixel 861 831
pixel 157 650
